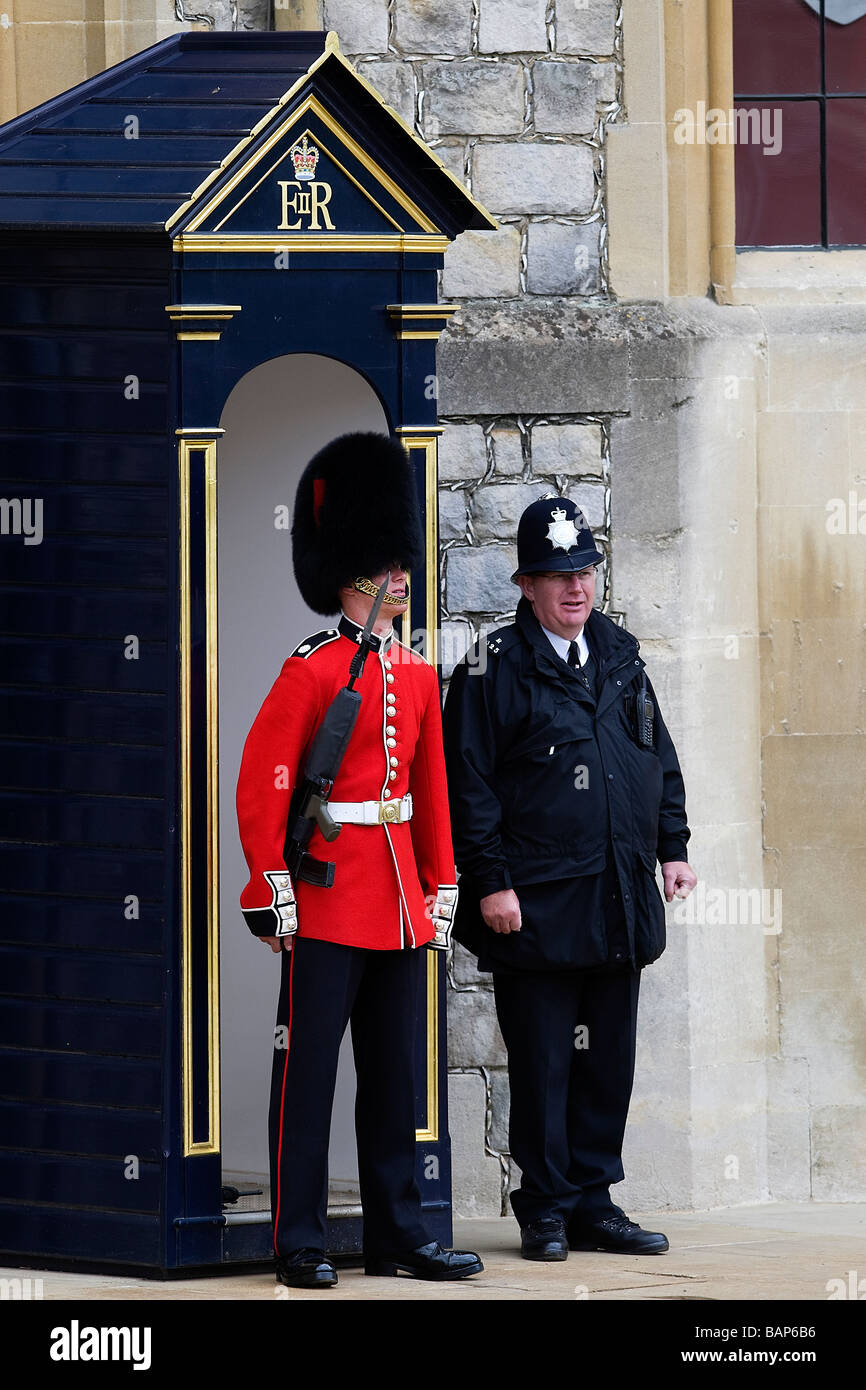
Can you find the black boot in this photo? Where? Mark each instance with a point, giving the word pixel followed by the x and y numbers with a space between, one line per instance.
pixel 544 1239
pixel 426 1262
pixel 616 1234
pixel 306 1269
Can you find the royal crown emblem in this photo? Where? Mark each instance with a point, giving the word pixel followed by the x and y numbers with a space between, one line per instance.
pixel 561 532
pixel 305 157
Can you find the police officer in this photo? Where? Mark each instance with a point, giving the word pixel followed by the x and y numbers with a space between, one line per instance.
pixel 565 788
pixel 352 952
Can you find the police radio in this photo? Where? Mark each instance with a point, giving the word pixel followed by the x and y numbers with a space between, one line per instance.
pixel 644 717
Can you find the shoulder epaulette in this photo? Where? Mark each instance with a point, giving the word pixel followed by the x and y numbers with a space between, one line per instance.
pixel 502 639
pixel 312 644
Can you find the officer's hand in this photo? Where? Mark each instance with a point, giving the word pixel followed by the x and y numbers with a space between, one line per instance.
pixel 501 911
pixel 679 880
pixel 277 943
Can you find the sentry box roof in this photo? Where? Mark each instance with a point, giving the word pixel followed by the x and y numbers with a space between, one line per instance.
pixel 191 135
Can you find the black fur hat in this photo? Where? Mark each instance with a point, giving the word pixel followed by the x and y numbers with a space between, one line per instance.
pixel 356 513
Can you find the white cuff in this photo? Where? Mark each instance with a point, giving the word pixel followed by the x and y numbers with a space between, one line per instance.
pixel 283 906
pixel 442 915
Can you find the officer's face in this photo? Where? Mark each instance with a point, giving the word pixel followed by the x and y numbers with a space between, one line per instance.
pixel 560 601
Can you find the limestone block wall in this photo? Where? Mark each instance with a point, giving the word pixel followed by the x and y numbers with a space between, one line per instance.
pixel 812 542
pixel 514 95
pixel 671 392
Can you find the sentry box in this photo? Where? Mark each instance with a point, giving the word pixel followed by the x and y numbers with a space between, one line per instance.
pixel 214 258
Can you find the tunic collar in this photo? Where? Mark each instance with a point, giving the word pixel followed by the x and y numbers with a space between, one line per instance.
pixel 353 631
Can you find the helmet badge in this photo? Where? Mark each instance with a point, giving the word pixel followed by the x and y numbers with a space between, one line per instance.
pixel 561 532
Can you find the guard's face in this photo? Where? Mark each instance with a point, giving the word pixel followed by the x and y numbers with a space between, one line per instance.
pixel 398 587
pixel 561 601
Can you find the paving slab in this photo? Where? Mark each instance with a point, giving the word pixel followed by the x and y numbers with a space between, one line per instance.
pixel 780 1251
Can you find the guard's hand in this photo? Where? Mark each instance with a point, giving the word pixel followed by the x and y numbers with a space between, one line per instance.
pixel 501 911
pixel 679 880
pixel 277 943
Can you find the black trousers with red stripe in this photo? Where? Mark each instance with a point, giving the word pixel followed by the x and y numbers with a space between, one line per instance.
pixel 324 987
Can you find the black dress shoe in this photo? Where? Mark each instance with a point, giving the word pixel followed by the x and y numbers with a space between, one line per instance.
pixel 616 1234
pixel 544 1240
pixel 427 1262
pixel 306 1269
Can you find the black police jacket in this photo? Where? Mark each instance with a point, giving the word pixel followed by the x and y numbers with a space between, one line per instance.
pixel 544 781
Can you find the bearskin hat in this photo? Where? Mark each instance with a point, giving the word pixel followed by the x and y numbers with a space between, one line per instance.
pixel 356 513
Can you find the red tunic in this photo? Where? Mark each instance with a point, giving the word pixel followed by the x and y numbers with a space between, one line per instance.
pixel 394 885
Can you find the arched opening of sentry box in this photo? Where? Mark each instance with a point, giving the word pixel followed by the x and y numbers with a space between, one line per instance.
pixel 277 416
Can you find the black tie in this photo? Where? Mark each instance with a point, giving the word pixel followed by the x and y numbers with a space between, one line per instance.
pixel 575 662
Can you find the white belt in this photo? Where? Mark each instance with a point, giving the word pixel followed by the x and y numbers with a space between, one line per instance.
pixel 372 812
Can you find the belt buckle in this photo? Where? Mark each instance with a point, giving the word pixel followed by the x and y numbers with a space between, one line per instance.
pixel 388 811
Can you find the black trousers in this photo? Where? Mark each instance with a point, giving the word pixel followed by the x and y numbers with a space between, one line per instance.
pixel 570 1037
pixel 323 987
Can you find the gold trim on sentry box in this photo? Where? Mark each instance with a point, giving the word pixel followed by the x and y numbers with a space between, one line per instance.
pixel 424 437
pixel 418 320
pixel 430 153
pixel 334 160
pixel 201 320
pixel 314 107
pixel 431 1130
pixel 422 311
pixel 331 51
pixel 188 446
pixel 246 140
pixel 202 311
pixel 333 241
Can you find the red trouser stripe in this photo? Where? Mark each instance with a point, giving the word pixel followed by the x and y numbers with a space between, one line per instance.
pixel 283 1099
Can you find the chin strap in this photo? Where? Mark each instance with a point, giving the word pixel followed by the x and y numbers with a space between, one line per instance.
pixel 366 586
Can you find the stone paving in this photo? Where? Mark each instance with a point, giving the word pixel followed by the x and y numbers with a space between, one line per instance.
pixel 782 1251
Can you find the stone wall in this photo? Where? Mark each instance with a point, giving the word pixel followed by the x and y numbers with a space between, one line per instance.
pixel 670 393
pixel 514 96
pixel 812 584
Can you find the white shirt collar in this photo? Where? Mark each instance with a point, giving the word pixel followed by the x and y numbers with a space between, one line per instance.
pixel 561 644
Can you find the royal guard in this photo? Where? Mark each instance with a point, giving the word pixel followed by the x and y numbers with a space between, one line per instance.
pixel 343 816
